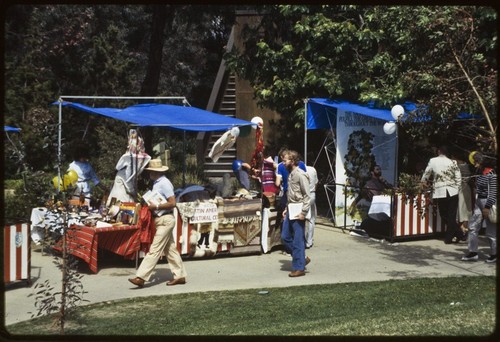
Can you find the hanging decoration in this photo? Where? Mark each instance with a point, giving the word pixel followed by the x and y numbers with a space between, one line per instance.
pixel 225 142
pixel 257 156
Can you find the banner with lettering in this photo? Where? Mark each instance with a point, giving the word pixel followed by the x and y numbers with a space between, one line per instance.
pixel 205 212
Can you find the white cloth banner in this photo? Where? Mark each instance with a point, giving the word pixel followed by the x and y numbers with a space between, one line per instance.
pixel 205 212
pixel 352 128
pixel 380 208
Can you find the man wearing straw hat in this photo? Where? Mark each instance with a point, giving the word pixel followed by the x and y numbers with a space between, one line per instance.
pixel 163 240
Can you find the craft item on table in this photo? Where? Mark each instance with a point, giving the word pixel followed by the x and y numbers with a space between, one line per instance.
pixel 113 211
pixel 242 192
pixel 44 220
pixel 129 212
pixel 101 224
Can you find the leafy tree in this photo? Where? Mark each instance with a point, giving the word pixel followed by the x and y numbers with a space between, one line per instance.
pixel 54 50
pixel 441 58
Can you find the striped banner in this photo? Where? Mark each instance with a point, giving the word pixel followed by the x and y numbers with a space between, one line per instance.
pixel 17 252
pixel 182 232
pixel 416 216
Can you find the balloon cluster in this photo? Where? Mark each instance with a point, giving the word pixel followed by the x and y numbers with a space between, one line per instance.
pixel 68 180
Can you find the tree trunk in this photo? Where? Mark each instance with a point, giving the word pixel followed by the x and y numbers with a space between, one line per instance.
pixel 152 79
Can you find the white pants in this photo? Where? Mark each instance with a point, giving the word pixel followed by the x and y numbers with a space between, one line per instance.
pixel 312 221
pixel 163 241
pixel 475 224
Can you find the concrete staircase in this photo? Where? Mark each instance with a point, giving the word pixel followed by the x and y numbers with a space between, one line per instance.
pixel 227 106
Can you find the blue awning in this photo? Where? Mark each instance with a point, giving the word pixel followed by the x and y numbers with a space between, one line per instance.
pixel 11 129
pixel 169 116
pixel 322 112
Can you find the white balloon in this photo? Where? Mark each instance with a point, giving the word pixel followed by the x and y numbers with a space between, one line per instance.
pixel 235 132
pixel 257 120
pixel 397 111
pixel 389 127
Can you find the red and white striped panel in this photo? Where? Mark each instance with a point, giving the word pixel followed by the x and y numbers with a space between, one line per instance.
pixel 182 231
pixel 17 252
pixel 408 220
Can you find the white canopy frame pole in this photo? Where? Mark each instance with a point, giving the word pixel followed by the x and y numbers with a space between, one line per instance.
pixel 59 138
pixel 305 130
pixel 330 186
pixel 184 100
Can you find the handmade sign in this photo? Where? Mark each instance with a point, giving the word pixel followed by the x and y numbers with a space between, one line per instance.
pixel 205 212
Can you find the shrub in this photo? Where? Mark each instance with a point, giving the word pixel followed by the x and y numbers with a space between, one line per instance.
pixel 34 190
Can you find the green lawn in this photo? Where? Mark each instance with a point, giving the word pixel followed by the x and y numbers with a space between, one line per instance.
pixel 457 306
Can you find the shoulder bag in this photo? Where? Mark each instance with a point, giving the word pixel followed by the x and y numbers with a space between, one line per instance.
pixel 492 215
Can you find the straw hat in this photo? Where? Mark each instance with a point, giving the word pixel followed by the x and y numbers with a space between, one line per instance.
pixel 156 165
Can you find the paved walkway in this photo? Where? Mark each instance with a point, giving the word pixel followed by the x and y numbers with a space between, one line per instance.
pixel 336 257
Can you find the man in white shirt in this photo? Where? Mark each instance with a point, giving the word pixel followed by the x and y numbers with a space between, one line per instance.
pixel 444 175
pixel 313 183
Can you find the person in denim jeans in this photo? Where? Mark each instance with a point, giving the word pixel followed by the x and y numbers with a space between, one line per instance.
pixel 292 233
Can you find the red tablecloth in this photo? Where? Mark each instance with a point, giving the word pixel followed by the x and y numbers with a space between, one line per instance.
pixel 83 242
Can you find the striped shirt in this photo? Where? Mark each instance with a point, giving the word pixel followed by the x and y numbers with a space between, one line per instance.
pixel 486 187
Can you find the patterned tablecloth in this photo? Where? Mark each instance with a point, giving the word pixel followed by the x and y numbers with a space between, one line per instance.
pixel 83 242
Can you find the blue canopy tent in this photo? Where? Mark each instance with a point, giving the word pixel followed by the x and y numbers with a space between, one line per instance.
pixel 321 113
pixel 175 117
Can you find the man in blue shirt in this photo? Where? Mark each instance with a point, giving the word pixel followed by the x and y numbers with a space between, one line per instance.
pixel 163 240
